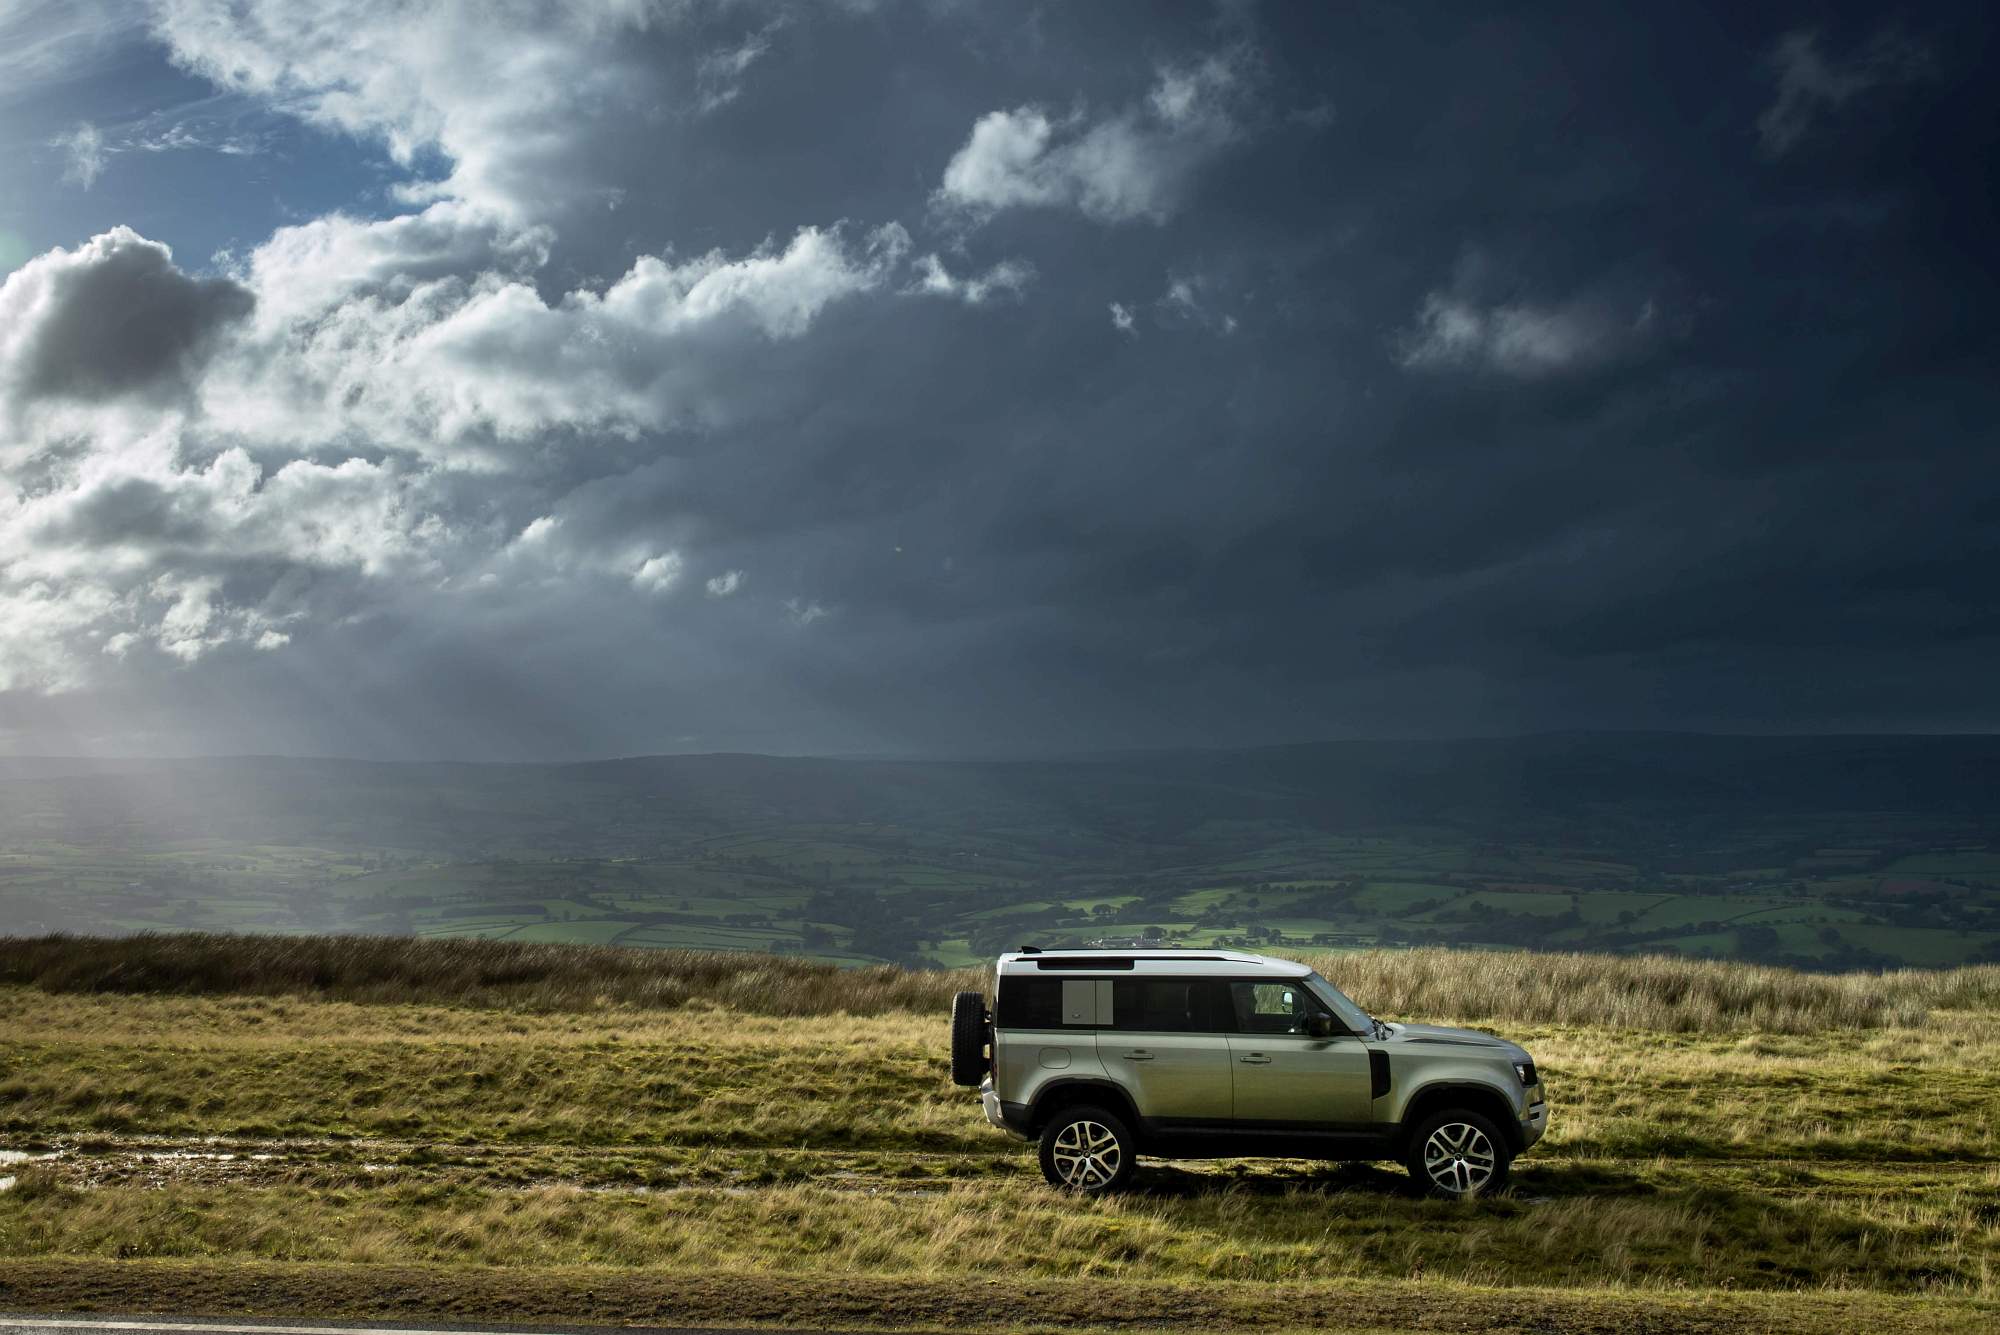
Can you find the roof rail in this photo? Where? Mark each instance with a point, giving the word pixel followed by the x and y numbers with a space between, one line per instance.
pixel 1125 960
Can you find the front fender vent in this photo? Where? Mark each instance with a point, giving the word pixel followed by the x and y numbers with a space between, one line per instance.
pixel 1378 1072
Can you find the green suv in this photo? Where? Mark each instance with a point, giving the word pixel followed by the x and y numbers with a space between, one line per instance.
pixel 1101 1056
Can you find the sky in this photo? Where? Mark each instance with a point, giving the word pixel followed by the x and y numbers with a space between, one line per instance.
pixel 494 380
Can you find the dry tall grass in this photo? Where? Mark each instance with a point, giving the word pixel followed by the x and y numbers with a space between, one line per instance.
pixel 1654 992
pixel 499 974
pixel 703 1076
pixel 1014 1229
pixel 1659 992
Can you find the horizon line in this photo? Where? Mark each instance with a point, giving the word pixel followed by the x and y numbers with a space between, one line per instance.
pixel 973 756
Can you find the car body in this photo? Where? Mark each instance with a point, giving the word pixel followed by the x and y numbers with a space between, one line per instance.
pixel 1206 1054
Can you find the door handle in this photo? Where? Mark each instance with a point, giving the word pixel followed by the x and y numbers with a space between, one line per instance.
pixel 1255 1059
pixel 1138 1055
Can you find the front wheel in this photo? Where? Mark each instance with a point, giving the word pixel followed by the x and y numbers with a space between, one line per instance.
pixel 1086 1150
pixel 1458 1154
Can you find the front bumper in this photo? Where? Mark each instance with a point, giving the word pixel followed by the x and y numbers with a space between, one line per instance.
pixel 1536 1120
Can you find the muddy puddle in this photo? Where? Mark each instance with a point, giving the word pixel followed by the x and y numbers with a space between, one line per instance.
pixel 83 1163
pixel 14 1159
pixel 88 1162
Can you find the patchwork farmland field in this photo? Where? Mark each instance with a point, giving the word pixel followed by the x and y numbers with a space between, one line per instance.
pixel 1752 848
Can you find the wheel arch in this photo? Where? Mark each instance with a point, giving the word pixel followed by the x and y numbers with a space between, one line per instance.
pixel 1470 1095
pixel 1058 1095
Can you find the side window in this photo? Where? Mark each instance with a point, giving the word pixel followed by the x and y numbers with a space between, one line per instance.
pixel 1273 1008
pixel 1029 1003
pixel 1053 1003
pixel 1169 1006
pixel 1155 1005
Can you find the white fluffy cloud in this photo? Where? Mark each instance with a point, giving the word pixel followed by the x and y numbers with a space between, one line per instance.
pixel 659 574
pixel 508 95
pixel 803 611
pixel 308 271
pixel 204 462
pixel 1134 165
pixel 362 407
pixel 367 412
pixel 137 543
pixel 1522 339
pixel 1193 301
pixel 189 523
pixel 459 366
pixel 1008 278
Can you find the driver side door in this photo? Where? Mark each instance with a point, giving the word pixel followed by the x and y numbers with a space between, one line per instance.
pixel 1284 1078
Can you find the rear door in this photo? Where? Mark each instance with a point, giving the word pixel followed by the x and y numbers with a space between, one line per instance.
pixel 1043 1027
pixel 1284 1078
pixel 1166 1044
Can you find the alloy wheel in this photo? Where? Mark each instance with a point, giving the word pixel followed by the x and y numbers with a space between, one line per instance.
pixel 1087 1154
pixel 1459 1158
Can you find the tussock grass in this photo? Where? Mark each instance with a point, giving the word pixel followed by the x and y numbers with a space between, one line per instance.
pixel 466 973
pixel 1660 993
pixel 702 1076
pixel 815 1152
pixel 1656 992
pixel 1188 1228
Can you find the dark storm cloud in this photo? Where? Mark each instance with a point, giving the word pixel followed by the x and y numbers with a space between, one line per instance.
pixel 1357 370
pixel 117 317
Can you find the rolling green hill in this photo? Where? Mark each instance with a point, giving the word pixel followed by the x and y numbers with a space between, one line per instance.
pixel 1823 852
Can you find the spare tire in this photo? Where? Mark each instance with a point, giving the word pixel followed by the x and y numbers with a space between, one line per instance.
pixel 968 1039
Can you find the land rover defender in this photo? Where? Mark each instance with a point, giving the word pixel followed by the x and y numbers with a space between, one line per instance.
pixel 1101 1056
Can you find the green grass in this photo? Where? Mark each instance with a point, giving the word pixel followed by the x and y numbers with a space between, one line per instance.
pixel 1923 947
pixel 1983 865
pixel 1686 910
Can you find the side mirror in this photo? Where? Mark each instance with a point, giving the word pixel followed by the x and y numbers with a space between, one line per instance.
pixel 1319 1026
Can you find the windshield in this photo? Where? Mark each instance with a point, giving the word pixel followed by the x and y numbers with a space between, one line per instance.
pixel 1351 1015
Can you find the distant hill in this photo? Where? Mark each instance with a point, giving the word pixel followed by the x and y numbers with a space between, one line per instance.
pixel 1814 833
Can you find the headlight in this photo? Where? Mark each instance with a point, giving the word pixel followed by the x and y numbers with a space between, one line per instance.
pixel 1526 1070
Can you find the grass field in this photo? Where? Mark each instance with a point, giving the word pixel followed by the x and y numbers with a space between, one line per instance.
pixel 467 1129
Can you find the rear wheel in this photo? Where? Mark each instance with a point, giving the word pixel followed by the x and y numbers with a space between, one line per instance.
pixel 1087 1150
pixel 970 1035
pixel 1458 1154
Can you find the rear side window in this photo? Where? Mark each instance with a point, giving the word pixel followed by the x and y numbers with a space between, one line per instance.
pixel 1029 1003
pixel 1169 1006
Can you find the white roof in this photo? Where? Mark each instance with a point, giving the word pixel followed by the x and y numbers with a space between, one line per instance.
pixel 1159 962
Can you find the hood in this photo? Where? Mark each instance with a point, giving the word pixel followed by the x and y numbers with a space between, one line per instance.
pixel 1466 1038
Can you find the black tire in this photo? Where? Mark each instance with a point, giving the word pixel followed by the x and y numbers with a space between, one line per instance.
pixel 1458 1154
pixel 1088 1151
pixel 969 1034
